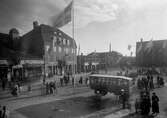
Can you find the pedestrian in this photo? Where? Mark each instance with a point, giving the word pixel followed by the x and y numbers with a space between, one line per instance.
pixel 61 82
pixel 158 81
pixel 73 81
pixel 155 104
pixel 137 105
pixel 151 83
pixel 161 81
pixel 148 104
pixel 9 79
pixel 51 87
pixel 4 82
pixel 86 81
pixel 47 88
pixel 123 98
pixel 0 111
pixel 5 112
pixel 55 87
pixel 80 80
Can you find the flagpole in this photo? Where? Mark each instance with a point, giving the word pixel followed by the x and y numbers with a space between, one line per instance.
pixel 73 40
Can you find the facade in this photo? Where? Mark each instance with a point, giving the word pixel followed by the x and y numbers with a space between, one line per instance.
pixel 57 49
pixel 44 49
pixel 80 63
pixel 101 60
pixel 151 53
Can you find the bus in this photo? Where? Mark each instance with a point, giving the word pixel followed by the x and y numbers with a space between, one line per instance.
pixel 102 84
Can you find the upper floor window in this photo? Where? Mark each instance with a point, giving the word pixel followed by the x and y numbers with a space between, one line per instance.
pixel 54 48
pixel 64 41
pixel 59 49
pixel 68 42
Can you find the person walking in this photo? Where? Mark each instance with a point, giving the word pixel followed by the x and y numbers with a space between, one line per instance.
pixel 155 104
pixel 124 99
pixel 5 112
pixel 0 111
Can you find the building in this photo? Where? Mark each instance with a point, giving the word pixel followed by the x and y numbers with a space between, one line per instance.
pixel 57 49
pixel 80 63
pixel 101 60
pixel 151 53
pixel 44 49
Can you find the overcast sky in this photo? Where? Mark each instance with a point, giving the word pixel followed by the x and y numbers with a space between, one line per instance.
pixel 97 22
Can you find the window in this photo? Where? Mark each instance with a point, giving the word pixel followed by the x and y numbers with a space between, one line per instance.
pixel 60 49
pixel 68 42
pixel 64 41
pixel 54 48
pixel 54 41
pixel 66 50
pixel 47 48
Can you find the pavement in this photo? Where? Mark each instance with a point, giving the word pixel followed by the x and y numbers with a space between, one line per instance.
pixel 69 91
pixel 37 86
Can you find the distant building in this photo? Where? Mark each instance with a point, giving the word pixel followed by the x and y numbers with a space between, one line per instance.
pixel 80 63
pixel 101 60
pixel 151 53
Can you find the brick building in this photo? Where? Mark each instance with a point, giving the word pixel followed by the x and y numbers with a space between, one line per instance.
pixel 58 49
pixel 44 45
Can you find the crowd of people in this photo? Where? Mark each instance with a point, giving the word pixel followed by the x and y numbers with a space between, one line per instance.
pixel 145 103
pixel 51 87
pixel 148 82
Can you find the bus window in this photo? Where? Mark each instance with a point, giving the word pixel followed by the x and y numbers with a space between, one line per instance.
pixel 114 81
pixel 124 82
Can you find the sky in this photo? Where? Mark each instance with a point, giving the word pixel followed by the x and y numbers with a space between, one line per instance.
pixel 97 23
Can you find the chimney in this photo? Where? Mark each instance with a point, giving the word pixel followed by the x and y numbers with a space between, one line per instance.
pixel 35 24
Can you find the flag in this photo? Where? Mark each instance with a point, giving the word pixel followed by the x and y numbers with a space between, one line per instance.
pixel 139 48
pixel 79 49
pixel 64 17
pixel 149 46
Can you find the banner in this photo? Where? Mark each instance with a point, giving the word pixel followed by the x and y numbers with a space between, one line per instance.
pixel 64 17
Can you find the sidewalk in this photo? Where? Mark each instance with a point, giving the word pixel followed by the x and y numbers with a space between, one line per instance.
pixel 37 86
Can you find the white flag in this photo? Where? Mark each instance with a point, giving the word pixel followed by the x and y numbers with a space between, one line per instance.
pixel 64 17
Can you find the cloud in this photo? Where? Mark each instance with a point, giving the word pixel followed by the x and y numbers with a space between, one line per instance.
pixel 87 11
pixel 21 13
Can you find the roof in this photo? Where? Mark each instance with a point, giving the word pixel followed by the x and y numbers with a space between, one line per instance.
pixel 110 76
pixel 103 54
pixel 48 30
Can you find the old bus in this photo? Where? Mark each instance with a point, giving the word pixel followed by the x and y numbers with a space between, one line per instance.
pixel 102 84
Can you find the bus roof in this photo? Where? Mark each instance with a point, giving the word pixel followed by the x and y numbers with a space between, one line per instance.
pixel 110 76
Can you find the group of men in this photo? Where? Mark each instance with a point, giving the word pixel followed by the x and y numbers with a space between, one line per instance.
pixel 145 104
pixel 51 87
pixel 145 83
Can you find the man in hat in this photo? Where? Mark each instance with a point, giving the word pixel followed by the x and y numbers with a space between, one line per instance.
pixel 155 104
pixel 123 98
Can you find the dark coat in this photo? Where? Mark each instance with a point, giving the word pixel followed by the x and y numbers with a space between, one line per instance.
pixel 155 105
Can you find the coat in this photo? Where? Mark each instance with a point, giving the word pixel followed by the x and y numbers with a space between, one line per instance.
pixel 155 105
